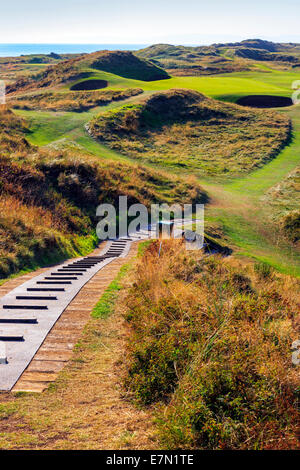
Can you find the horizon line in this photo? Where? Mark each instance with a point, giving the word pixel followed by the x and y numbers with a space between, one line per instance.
pixel 148 42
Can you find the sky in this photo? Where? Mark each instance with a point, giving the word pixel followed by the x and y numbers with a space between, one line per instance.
pixel 147 22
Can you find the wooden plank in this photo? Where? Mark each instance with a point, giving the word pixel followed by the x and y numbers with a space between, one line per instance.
pixel 53 355
pixel 37 376
pixel 27 386
pixel 46 366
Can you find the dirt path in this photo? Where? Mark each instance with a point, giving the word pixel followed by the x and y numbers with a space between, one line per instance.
pixel 85 407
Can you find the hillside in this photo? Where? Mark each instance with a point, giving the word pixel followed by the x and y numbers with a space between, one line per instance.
pixel 13 68
pixel 183 60
pixel 221 58
pixel 186 130
pixel 122 63
pixel 49 198
pixel 125 64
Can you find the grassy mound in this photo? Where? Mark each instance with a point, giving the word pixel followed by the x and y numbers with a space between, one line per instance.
pixel 49 198
pixel 184 129
pixel 70 101
pixel 210 349
pixel 121 63
pixel 127 65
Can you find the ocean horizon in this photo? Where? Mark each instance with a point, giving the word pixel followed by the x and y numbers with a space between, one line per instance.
pixel 15 50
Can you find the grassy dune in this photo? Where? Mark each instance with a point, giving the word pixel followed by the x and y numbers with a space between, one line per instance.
pixel 124 63
pixel 184 129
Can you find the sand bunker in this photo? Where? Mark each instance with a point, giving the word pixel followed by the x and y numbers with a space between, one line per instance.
pixel 89 85
pixel 265 101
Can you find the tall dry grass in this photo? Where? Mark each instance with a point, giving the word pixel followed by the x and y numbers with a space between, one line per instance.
pixel 210 349
pixel 70 101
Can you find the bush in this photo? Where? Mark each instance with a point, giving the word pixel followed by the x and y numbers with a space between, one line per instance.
pixel 290 223
pixel 263 270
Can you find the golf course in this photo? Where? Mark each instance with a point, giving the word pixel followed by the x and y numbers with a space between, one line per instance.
pixel 155 346
pixel 237 204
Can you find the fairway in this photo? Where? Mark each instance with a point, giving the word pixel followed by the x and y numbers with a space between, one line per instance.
pixel 228 87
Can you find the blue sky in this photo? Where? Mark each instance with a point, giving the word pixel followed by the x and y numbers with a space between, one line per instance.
pixel 147 22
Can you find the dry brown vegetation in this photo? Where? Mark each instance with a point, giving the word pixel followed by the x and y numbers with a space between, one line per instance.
pixel 184 129
pixel 210 348
pixel 49 198
pixel 70 101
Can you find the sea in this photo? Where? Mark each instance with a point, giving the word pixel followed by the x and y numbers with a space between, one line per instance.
pixel 14 50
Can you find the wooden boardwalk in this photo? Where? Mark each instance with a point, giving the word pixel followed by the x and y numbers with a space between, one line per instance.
pixel 58 345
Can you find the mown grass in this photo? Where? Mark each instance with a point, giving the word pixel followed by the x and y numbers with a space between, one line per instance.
pixel 228 87
pixel 210 349
pixel 184 61
pixel 217 333
pixel 124 63
pixel 253 235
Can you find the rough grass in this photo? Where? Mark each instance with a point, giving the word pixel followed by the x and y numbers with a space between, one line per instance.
pixel 48 127
pixel 284 199
pixel 210 347
pixel 70 101
pixel 125 64
pixel 183 129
